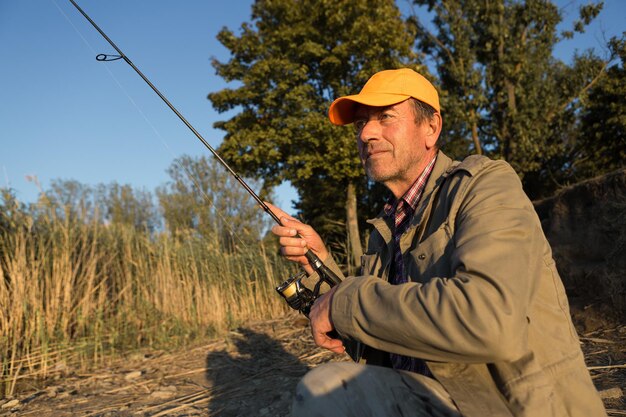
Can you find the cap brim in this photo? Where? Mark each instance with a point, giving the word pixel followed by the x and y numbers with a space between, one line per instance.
pixel 341 111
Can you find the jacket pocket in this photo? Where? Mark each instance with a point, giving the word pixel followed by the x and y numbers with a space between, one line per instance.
pixel 430 258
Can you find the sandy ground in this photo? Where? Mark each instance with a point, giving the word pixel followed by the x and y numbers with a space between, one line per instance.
pixel 251 372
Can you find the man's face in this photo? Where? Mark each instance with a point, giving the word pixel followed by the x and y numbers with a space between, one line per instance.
pixel 393 148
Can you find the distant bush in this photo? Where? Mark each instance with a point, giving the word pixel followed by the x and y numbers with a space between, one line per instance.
pixel 76 285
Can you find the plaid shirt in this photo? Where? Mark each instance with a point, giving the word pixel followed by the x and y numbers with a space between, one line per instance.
pixel 403 210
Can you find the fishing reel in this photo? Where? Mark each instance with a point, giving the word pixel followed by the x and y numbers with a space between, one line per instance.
pixel 301 298
pixel 297 295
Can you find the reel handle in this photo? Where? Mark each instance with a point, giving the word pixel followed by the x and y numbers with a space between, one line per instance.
pixel 325 273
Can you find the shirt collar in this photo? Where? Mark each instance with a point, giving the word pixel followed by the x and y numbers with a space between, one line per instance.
pixel 412 196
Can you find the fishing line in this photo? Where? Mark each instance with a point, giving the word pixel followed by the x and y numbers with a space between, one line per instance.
pixel 190 176
pixel 288 287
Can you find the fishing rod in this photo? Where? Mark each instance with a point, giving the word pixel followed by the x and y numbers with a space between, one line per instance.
pixel 292 290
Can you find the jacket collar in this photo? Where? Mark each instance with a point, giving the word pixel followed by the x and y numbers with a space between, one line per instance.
pixel 443 167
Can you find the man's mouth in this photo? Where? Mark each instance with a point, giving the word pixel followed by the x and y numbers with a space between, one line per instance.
pixel 375 153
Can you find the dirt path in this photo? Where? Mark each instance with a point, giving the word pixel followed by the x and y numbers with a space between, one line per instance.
pixel 252 372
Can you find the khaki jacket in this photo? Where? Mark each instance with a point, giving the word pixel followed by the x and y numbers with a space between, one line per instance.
pixel 485 306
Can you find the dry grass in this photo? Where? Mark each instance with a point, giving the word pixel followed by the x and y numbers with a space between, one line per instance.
pixel 74 291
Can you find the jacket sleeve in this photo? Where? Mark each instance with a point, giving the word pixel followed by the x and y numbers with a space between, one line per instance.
pixel 479 312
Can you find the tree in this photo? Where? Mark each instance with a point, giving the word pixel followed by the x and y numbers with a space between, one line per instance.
pixel 504 93
pixel 602 144
pixel 204 198
pixel 113 203
pixel 69 200
pixel 371 199
pixel 121 204
pixel 454 50
pixel 290 62
pixel 13 213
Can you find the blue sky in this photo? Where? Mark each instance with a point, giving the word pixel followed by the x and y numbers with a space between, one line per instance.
pixel 65 115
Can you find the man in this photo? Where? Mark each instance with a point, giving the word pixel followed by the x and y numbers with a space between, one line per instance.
pixel 459 302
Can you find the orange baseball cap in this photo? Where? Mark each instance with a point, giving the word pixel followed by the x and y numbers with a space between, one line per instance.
pixel 385 88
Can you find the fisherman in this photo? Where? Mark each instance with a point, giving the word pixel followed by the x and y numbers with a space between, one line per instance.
pixel 458 308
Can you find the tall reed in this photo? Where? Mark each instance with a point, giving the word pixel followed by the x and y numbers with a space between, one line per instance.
pixel 73 291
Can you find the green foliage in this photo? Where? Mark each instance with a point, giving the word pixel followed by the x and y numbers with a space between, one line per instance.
pixel 122 204
pixel 112 203
pixel 203 198
pixel 12 211
pixel 289 62
pixel 601 146
pixel 587 13
pixel 69 199
pixel 322 217
pixel 454 50
pixel 503 93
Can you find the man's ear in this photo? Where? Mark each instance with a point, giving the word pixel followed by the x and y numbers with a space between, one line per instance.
pixel 434 130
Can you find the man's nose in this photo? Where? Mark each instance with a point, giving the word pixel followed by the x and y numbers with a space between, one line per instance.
pixel 369 131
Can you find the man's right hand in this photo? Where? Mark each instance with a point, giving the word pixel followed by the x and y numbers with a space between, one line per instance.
pixel 322 325
pixel 296 238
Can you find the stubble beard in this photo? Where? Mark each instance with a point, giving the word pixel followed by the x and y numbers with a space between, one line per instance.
pixel 381 177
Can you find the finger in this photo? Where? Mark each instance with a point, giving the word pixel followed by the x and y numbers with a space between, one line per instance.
pixel 333 344
pixel 284 231
pixel 294 223
pixel 339 350
pixel 326 342
pixel 290 219
pixel 294 242
pixel 293 252
pixel 277 212
pixel 296 257
pixel 302 261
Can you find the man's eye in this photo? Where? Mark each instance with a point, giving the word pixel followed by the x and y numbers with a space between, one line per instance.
pixel 359 124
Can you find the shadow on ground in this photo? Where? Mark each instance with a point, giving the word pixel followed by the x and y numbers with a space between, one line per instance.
pixel 255 375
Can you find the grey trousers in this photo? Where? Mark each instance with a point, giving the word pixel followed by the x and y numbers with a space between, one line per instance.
pixel 350 389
